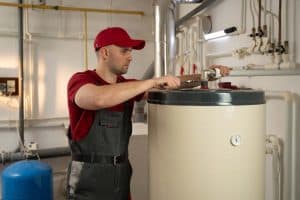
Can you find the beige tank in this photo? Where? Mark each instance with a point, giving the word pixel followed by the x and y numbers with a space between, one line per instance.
pixel 204 148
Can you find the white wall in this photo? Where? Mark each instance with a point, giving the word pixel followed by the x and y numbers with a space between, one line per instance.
pixel 57 54
pixel 226 14
pixel 56 59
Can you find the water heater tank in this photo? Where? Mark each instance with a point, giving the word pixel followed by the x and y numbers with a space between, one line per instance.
pixel 27 180
pixel 207 145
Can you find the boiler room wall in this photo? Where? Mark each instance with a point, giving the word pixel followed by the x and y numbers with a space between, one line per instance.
pixel 225 14
pixel 57 53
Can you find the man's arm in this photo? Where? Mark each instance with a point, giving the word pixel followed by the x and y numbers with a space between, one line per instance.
pixel 93 97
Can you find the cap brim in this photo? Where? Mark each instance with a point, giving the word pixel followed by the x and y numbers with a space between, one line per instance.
pixel 135 44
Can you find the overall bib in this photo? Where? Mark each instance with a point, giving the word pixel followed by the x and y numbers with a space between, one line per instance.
pixel 100 169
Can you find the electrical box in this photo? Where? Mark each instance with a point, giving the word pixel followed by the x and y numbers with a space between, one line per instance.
pixel 9 86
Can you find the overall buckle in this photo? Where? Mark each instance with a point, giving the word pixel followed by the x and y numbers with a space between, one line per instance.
pixel 115 160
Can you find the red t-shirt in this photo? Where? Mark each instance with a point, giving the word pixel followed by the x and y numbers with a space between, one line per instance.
pixel 81 120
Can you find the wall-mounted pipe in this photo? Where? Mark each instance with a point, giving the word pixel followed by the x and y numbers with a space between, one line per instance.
pixel 279 22
pixel 170 39
pixel 158 37
pixel 164 32
pixel 21 74
pixel 289 168
pixel 7 157
pixel 66 8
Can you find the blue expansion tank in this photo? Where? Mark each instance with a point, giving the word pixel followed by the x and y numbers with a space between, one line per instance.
pixel 27 180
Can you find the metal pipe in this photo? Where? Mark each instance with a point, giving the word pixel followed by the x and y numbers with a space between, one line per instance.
pixel 7 157
pixel 165 29
pixel 158 33
pixel 259 14
pixel 21 74
pixel 279 22
pixel 67 8
pixel 200 9
pixel 170 38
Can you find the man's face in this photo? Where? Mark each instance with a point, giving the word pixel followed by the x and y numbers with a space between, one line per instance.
pixel 118 59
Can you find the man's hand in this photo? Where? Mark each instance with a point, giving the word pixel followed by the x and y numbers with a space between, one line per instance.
pixel 224 70
pixel 166 82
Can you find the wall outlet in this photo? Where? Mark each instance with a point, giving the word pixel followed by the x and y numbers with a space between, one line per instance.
pixel 9 86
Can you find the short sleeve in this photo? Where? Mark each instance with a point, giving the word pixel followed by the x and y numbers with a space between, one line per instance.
pixel 76 81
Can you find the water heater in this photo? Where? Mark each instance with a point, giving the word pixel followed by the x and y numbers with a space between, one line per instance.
pixel 207 144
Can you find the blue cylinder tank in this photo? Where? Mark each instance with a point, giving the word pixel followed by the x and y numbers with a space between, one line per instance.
pixel 27 180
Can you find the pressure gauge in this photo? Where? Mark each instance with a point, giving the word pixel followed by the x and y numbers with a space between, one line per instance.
pixel 235 140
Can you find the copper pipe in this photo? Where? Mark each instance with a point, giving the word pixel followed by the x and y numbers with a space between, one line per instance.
pixel 66 8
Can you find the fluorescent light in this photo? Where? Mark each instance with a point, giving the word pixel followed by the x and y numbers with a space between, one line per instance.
pixel 214 35
pixel 218 34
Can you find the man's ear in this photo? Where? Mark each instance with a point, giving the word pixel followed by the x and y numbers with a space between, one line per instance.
pixel 104 52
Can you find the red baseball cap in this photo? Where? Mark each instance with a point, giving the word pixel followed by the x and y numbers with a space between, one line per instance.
pixel 117 36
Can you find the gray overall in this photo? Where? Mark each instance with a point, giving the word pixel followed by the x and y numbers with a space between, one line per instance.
pixel 100 169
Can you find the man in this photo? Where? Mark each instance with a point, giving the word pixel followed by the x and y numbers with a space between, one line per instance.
pixel 100 106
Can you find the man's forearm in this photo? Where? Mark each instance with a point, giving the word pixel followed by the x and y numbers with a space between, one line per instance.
pixel 92 97
pixel 115 94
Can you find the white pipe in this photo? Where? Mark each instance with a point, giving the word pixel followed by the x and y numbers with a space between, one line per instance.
pixel 265 12
pixel 289 170
pixel 252 13
pixel 275 150
pixel 294 149
pixel 291 23
pixel 264 72
pixel 200 45
pixel 285 21
pixel 158 58
pixel 29 68
pixel 242 28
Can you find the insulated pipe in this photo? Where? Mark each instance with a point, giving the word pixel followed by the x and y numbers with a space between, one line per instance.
pixel 21 74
